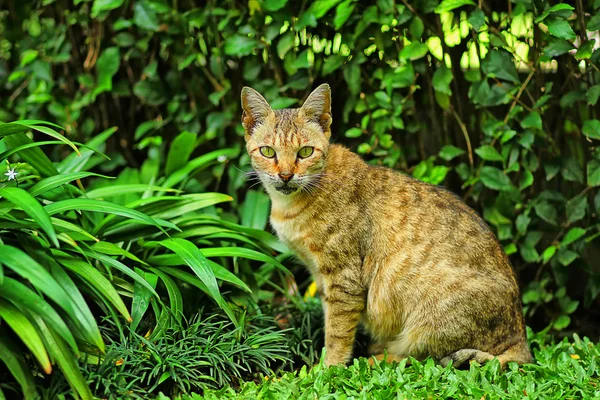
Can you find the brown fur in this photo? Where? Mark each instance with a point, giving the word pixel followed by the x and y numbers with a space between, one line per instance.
pixel 410 261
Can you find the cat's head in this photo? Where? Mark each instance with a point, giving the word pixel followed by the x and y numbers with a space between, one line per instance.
pixel 287 147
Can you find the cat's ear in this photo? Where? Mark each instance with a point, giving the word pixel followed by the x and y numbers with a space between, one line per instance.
pixel 255 109
pixel 317 107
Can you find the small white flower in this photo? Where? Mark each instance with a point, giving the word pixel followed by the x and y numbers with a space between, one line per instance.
pixel 11 173
pixel 222 158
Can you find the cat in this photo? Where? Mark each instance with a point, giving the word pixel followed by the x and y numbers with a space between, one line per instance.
pixel 410 261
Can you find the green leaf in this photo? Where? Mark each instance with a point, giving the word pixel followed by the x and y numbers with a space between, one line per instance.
pixel 547 212
pixel 500 64
pixel 33 156
pixel 40 278
pixel 182 147
pixel 320 7
pixel 571 236
pixel 342 12
pixel 526 180
pixel 255 210
pixel 353 133
pixel 450 152
pixel 566 257
pixel 105 5
pixel 557 47
pixel 548 254
pixel 576 208
pixel 442 77
pixel 31 207
pixel 532 120
pixel 40 128
pixel 273 5
pixel 74 163
pixel 240 45
pixel 449 5
pixel 561 29
pixel 593 173
pixel 476 19
pixel 26 332
pixel 592 94
pixel 591 129
pixel 175 297
pixel 100 206
pixel 19 294
pixel 196 164
pixel 109 261
pixel 494 178
pixel 50 183
pixel 141 297
pixel 144 16
pixel 17 367
pixel 81 311
pixel 199 264
pixel 594 23
pixel 561 10
pixel 561 322
pixel 585 50
pixel 91 275
pixel 107 66
pixel 416 28
pixel 65 360
pixel 28 56
pixel 414 51
pixel 488 153
pixel 285 43
pixel 522 223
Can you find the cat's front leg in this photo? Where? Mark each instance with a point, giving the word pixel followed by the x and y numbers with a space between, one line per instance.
pixel 343 303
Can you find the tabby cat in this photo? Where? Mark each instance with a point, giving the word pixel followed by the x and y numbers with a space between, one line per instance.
pixel 410 261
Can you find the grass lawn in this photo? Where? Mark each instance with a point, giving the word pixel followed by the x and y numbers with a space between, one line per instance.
pixel 567 370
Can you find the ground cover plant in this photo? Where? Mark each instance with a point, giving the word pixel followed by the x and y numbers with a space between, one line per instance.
pixel 132 209
pixel 566 370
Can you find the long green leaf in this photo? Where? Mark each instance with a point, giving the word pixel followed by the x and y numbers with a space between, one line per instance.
pixel 194 281
pixel 103 258
pixel 85 318
pixel 17 368
pixel 196 202
pixel 53 182
pixel 190 254
pixel 74 163
pixel 100 206
pixel 20 295
pixel 141 297
pixel 26 332
pixel 175 297
pixel 65 360
pixel 195 164
pixel 118 190
pixel 30 269
pixel 34 156
pixel 32 207
pixel 94 278
pixel 220 272
pixel 63 226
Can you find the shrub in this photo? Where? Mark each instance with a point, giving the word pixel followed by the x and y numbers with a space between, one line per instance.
pixel 70 255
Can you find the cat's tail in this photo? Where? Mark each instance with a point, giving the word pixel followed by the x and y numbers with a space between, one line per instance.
pixel 518 353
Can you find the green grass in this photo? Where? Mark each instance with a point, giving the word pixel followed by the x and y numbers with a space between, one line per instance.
pixel 567 370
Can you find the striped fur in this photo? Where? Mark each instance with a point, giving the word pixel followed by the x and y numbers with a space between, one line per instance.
pixel 410 261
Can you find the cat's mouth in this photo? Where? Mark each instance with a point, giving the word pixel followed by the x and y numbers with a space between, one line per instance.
pixel 286 189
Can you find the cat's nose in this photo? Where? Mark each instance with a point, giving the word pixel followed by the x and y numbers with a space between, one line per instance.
pixel 286 177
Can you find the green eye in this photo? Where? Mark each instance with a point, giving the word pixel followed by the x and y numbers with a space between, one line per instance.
pixel 267 152
pixel 306 152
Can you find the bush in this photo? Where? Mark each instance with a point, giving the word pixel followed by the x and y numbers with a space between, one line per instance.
pixel 69 255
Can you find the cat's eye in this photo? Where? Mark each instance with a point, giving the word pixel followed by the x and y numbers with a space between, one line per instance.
pixel 306 152
pixel 267 152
